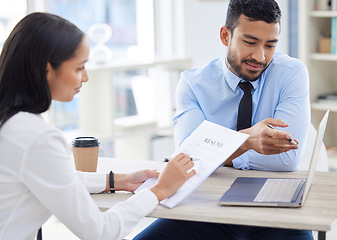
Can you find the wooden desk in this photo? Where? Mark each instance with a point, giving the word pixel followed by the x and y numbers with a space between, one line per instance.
pixel 318 213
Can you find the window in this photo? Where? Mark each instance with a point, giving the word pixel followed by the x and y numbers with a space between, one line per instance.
pixel 131 29
pixel 293 28
pixel 132 38
pixel 119 15
pixel 10 13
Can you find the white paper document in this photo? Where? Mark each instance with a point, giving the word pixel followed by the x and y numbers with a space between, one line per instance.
pixel 209 146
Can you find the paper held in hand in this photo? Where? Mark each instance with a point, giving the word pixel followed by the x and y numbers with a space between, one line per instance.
pixel 209 146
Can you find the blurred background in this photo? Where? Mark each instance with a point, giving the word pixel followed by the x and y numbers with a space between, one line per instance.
pixel 138 49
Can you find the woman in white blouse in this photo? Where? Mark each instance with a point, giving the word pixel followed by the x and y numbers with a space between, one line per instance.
pixel 43 59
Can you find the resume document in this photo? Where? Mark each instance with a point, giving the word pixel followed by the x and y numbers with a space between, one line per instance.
pixel 208 146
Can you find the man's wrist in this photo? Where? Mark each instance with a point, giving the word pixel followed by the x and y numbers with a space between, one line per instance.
pixel 246 145
pixel 228 162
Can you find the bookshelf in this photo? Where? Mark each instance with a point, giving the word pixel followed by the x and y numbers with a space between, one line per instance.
pixel 322 67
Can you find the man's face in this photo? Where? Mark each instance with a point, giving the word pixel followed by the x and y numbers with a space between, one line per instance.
pixel 251 47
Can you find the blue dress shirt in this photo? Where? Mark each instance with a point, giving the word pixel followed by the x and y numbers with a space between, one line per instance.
pixel 212 93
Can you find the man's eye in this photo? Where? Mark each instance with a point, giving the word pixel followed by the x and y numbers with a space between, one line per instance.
pixel 270 46
pixel 249 43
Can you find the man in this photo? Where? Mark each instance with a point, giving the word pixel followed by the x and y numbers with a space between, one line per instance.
pixel 279 93
pixel 280 90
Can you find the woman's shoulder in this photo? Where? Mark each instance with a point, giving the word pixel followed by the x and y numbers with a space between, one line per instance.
pixel 24 128
pixel 25 120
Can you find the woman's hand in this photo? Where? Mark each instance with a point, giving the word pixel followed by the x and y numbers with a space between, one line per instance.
pixel 174 175
pixel 131 181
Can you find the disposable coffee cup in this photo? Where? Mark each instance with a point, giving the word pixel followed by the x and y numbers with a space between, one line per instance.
pixel 85 150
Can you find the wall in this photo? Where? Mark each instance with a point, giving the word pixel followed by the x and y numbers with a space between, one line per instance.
pixel 202 23
pixel 203 20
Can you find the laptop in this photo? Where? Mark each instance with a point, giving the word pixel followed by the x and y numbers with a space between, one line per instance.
pixel 275 192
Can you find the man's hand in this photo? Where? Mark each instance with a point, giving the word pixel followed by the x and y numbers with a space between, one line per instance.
pixel 268 141
pixel 265 140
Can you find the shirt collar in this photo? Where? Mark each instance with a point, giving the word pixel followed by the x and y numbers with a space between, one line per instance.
pixel 234 80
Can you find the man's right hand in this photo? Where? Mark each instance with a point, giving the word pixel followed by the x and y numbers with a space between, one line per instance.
pixel 268 141
pixel 264 140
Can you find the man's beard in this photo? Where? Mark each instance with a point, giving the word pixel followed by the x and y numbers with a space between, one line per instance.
pixel 238 68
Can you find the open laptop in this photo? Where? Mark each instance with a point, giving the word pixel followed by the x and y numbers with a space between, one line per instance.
pixel 275 192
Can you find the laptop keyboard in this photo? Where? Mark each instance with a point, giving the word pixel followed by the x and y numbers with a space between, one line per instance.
pixel 278 190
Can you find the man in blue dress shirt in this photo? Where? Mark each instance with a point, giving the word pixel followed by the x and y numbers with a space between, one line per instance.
pixel 280 97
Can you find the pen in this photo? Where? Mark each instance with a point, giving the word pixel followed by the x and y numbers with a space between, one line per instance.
pixel 168 159
pixel 289 140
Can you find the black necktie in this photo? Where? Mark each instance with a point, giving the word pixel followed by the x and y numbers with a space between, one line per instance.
pixel 39 234
pixel 245 107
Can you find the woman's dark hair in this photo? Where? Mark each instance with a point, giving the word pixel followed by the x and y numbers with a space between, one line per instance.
pixel 255 10
pixel 37 39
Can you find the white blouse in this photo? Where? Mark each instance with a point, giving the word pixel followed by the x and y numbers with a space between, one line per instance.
pixel 38 178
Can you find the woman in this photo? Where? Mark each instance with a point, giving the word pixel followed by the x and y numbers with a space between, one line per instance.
pixel 43 59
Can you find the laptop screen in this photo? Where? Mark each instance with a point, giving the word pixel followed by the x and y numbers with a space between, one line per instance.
pixel 315 155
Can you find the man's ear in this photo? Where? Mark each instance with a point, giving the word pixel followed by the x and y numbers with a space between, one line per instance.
pixel 224 35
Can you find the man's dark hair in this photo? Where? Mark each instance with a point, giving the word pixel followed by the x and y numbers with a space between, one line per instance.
pixel 37 39
pixel 255 10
